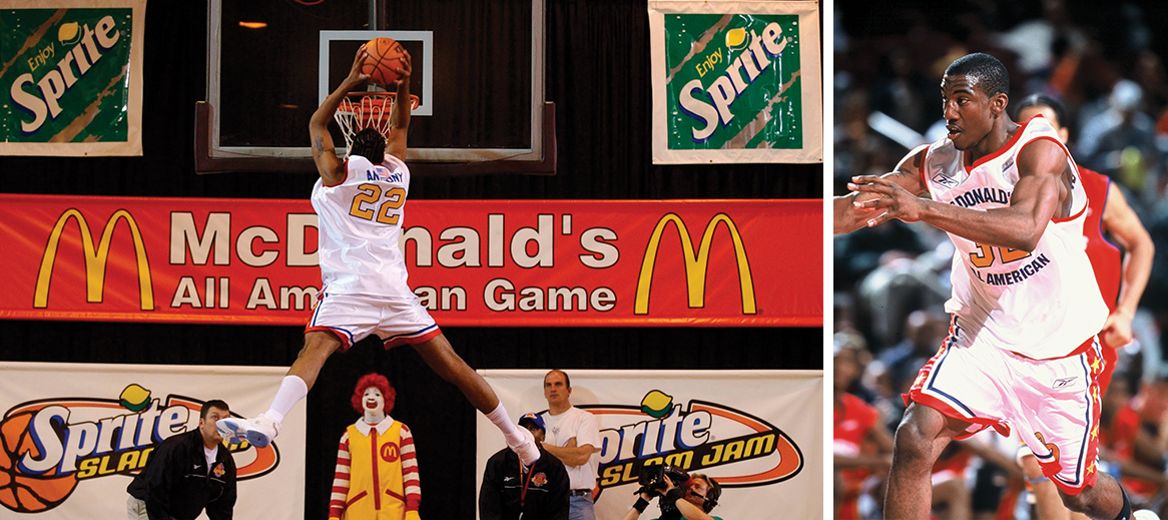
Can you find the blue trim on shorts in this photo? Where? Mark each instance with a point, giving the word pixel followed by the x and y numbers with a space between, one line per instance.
pixel 347 333
pixel 415 333
pixel 315 311
pixel 937 370
pixel 1087 430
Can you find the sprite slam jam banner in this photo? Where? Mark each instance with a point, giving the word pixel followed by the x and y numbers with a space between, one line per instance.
pixel 759 433
pixel 736 82
pixel 72 436
pixel 479 263
pixel 71 72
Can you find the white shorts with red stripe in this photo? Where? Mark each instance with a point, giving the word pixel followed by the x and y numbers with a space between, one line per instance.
pixel 1053 405
pixel 352 317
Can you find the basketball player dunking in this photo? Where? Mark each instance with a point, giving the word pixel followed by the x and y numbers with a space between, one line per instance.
pixel 361 207
pixel 1021 351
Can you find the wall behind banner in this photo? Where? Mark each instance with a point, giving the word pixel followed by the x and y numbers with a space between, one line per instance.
pixel 598 60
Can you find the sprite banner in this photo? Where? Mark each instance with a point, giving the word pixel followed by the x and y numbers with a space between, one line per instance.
pixel 736 82
pixel 72 77
pixel 758 433
pixel 73 436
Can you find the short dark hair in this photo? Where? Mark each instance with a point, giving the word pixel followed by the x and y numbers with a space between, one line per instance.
pixel 214 403
pixel 991 75
pixel 368 143
pixel 715 491
pixel 567 380
pixel 1043 100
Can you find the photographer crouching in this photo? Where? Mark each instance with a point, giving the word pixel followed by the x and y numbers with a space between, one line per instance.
pixel 682 496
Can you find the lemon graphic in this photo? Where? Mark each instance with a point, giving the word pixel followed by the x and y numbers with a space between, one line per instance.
pixel 657 404
pixel 69 33
pixel 134 397
pixel 736 37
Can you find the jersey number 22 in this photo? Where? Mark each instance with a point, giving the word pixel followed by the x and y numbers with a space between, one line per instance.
pixel 394 199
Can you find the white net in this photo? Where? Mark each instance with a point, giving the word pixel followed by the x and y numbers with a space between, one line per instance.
pixel 361 110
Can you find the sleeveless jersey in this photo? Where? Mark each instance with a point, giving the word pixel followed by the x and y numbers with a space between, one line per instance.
pixel 1041 304
pixel 361 222
pixel 1106 259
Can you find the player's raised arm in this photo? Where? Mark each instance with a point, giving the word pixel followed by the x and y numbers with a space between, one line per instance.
pixel 848 217
pixel 1034 202
pixel 400 116
pixel 323 150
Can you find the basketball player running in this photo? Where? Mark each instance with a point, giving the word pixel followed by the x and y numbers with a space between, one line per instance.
pixel 360 205
pixel 1021 351
pixel 1122 278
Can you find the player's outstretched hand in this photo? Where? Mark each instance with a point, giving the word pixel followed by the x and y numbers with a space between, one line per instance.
pixel 887 199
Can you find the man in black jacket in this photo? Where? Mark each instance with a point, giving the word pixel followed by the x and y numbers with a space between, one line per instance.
pixel 512 492
pixel 187 473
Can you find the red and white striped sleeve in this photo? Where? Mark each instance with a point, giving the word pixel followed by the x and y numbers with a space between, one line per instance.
pixel 411 482
pixel 340 480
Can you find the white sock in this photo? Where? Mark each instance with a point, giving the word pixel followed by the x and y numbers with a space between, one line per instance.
pixel 291 391
pixel 505 424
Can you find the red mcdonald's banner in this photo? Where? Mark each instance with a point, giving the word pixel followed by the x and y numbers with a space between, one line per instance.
pixel 471 262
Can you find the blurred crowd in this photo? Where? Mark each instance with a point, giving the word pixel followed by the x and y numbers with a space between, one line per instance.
pixel 891 281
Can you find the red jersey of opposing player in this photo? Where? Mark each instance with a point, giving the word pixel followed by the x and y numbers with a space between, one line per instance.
pixel 1106 259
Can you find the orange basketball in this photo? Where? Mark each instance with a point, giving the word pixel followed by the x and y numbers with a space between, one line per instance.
pixel 385 54
pixel 27 493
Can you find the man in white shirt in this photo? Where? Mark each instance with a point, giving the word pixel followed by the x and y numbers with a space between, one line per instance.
pixel 573 436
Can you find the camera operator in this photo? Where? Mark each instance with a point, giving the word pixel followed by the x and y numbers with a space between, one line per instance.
pixel 692 500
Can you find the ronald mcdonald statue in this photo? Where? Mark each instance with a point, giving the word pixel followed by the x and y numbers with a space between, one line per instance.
pixel 377 469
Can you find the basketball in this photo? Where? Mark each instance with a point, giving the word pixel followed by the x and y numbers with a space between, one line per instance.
pixel 384 55
pixel 27 493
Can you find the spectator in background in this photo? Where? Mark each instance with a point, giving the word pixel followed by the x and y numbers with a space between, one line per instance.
pixel 862 446
pixel 511 491
pixel 923 332
pixel 573 436
pixel 1121 141
pixel 188 473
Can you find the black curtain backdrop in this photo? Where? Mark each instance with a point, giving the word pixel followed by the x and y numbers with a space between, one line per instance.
pixel 597 74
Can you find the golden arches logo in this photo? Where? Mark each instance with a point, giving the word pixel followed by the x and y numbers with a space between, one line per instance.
pixel 95 259
pixel 696 263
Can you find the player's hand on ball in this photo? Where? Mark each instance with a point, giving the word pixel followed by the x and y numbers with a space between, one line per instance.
pixel 355 75
pixel 403 70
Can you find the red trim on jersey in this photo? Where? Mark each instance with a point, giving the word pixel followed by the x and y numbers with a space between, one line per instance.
pixel 344 340
pixel 1009 144
pixel 1070 218
pixel 412 340
pixel 345 167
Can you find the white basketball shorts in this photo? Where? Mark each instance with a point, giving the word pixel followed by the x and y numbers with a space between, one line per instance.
pixel 352 317
pixel 1053 405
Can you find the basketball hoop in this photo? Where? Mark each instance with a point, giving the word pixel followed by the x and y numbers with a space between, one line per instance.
pixel 361 110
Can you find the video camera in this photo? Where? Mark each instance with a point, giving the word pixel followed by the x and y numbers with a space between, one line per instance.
pixel 652 478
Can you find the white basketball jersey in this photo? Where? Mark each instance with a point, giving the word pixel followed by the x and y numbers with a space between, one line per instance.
pixel 1043 303
pixel 360 226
